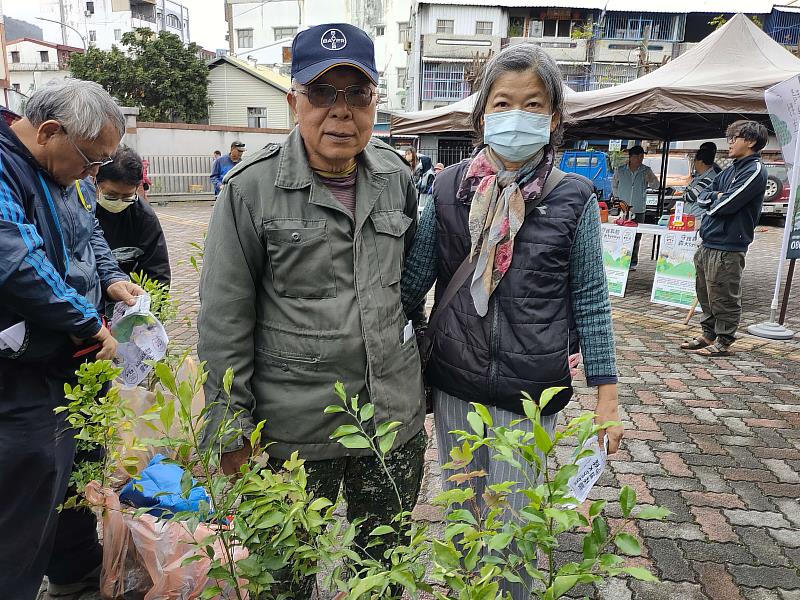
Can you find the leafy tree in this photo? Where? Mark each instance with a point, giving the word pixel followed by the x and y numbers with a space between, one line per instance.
pixel 157 73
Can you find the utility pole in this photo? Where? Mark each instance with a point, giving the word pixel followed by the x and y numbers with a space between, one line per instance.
pixel 4 84
pixel 63 20
pixel 229 21
pixel 642 63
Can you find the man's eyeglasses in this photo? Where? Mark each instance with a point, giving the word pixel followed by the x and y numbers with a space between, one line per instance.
pixel 90 164
pixel 324 95
pixel 733 138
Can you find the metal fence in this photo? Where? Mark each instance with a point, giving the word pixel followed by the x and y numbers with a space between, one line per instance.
pixel 632 26
pixel 179 175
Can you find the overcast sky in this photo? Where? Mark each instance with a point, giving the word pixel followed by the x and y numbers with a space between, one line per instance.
pixel 206 19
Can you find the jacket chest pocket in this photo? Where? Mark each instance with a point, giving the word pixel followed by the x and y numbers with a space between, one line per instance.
pixel 390 228
pixel 301 259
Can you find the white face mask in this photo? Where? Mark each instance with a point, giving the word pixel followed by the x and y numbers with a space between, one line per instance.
pixel 516 135
pixel 114 205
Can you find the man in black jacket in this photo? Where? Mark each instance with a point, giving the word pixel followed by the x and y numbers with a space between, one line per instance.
pixel 129 223
pixel 733 203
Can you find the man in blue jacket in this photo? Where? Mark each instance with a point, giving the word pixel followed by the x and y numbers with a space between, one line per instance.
pixel 56 271
pixel 733 203
pixel 224 164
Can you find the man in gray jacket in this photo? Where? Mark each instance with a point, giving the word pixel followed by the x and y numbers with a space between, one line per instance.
pixel 630 184
pixel 301 285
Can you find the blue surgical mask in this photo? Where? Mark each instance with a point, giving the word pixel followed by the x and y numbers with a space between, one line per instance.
pixel 516 135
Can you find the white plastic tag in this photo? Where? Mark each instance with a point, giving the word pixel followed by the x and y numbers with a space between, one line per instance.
pixel 408 331
pixel 590 469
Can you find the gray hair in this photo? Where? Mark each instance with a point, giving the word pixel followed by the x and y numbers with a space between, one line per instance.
pixel 82 107
pixel 523 57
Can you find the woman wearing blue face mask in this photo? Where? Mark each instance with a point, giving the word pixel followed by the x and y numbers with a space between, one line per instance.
pixel 514 246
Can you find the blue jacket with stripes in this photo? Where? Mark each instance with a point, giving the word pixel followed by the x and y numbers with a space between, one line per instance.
pixel 54 262
pixel 734 204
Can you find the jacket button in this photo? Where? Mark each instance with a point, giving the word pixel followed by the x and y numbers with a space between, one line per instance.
pixel 295 237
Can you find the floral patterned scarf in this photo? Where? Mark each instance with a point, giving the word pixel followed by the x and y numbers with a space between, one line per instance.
pixel 497 211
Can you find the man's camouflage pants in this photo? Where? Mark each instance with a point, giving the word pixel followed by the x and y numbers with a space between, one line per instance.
pixel 367 490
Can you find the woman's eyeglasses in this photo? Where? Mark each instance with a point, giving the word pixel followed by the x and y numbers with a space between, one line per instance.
pixel 324 95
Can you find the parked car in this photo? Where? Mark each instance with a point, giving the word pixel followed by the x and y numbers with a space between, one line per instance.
pixel 591 164
pixel 776 196
pixel 679 175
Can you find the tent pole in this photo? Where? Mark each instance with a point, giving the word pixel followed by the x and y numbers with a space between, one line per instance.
pixel 663 177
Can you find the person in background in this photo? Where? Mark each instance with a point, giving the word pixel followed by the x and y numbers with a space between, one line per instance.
pixel 704 175
pixel 438 168
pixel 630 184
pixel 538 290
pixel 144 185
pixel 424 176
pixel 712 148
pixel 129 224
pixel 56 272
pixel 411 158
pixel 733 203
pixel 301 288
pixel 224 164
pixel 216 154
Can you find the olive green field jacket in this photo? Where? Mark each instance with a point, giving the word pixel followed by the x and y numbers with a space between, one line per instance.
pixel 297 294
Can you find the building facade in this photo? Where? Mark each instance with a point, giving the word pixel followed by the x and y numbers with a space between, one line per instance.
pixel 101 23
pixel 34 63
pixel 263 32
pixel 597 43
pixel 245 95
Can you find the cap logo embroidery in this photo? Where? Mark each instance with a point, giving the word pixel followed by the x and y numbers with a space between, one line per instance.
pixel 333 39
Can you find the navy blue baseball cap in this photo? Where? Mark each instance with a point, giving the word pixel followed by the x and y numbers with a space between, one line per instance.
pixel 321 48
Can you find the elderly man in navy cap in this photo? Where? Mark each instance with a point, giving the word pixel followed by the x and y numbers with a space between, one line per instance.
pixel 301 287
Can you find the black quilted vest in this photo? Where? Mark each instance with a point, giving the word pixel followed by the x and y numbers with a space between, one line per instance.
pixel 524 341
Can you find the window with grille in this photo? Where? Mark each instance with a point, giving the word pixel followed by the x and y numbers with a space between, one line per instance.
pixel 632 26
pixel 90 8
pixel 244 38
pixel 402 73
pixel 380 30
pixel 173 21
pixel 44 56
pixel 92 35
pixel 403 32
pixel 14 56
pixel 557 28
pixel 484 28
pixel 283 33
pixel 445 25
pixel 117 34
pixel 257 117
pixel 16 87
pixel 444 82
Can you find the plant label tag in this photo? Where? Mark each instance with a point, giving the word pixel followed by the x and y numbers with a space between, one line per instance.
pixel 408 332
pixel 590 468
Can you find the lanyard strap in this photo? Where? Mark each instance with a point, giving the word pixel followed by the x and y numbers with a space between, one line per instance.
pixel 80 195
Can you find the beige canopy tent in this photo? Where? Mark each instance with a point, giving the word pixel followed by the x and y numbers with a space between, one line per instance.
pixel 453 117
pixel 695 96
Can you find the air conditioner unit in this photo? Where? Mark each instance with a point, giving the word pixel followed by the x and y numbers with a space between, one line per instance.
pixel 407 45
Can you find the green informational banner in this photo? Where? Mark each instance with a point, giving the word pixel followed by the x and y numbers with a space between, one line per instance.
pixel 617 251
pixel 674 283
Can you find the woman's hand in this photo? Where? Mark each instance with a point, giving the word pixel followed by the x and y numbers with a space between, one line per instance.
pixel 608 410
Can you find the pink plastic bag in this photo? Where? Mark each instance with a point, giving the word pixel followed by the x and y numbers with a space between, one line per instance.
pixel 143 557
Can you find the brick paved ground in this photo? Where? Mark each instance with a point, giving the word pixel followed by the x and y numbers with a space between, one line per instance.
pixel 715 441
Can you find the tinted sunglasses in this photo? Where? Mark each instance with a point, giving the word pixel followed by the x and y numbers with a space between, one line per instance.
pixel 324 95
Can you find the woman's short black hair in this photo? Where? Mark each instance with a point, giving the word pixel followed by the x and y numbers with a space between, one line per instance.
pixel 752 131
pixel 126 168
pixel 706 155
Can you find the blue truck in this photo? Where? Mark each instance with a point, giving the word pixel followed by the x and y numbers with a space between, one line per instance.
pixel 593 165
